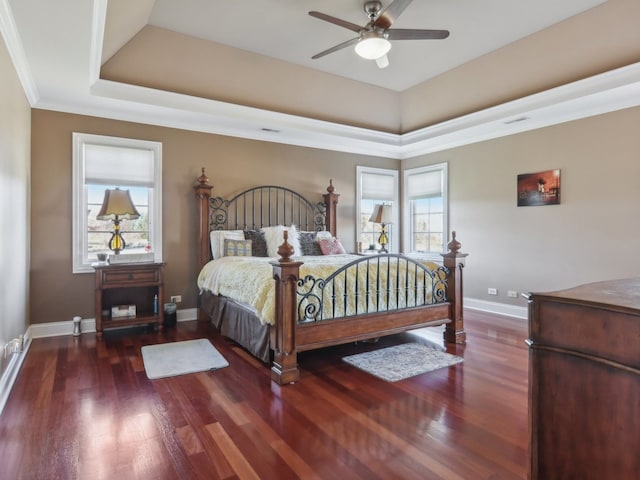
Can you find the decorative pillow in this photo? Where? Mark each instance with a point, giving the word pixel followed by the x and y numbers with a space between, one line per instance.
pixel 217 240
pixel 308 244
pixel 331 247
pixel 323 235
pixel 258 242
pixel 237 248
pixel 274 237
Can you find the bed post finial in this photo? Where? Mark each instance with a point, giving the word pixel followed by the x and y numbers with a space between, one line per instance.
pixel 203 179
pixel 330 188
pixel 454 245
pixel 285 250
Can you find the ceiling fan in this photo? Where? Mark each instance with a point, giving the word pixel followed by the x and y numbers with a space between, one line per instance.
pixel 372 42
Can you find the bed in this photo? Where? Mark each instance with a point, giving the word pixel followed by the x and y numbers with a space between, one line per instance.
pixel 292 298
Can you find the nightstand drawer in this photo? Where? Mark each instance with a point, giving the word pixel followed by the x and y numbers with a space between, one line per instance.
pixel 121 276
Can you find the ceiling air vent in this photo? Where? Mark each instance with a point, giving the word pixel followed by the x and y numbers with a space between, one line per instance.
pixel 516 120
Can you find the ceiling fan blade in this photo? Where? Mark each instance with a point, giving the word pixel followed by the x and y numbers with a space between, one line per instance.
pixel 391 13
pixel 336 21
pixel 416 34
pixel 340 46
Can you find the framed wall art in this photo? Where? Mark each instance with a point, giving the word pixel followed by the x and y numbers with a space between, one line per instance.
pixel 542 188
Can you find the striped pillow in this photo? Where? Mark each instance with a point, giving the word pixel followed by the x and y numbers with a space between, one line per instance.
pixel 237 248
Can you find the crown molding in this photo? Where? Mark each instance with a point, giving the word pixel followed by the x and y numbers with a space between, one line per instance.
pixel 607 92
pixel 98 22
pixel 9 32
pixel 176 110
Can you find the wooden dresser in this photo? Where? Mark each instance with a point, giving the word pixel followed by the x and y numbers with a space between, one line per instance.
pixel 584 382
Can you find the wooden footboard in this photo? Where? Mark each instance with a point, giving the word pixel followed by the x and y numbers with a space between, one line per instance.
pixel 290 335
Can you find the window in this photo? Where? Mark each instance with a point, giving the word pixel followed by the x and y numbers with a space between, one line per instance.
pixel 101 163
pixel 425 200
pixel 376 186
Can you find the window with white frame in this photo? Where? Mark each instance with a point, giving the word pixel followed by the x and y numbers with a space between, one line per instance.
pixel 101 163
pixel 376 186
pixel 425 212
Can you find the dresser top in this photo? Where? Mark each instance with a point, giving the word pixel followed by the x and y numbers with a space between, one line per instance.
pixel 623 293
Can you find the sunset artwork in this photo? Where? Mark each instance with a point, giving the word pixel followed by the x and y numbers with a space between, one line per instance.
pixel 542 188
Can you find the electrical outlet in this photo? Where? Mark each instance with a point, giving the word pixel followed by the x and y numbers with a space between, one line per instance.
pixel 176 298
pixel 512 294
pixel 492 291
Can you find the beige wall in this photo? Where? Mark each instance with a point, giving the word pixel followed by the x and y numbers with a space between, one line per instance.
pixel 590 236
pixel 232 165
pixel 14 201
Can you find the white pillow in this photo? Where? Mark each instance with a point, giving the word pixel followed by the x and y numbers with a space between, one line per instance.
pixel 324 235
pixel 275 236
pixel 217 240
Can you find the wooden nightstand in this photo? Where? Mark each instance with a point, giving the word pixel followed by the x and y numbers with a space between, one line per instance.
pixel 134 284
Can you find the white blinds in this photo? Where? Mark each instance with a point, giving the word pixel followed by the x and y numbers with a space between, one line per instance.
pixel 376 186
pixel 424 185
pixel 107 165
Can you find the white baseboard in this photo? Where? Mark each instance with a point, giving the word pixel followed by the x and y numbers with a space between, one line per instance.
pixel 57 329
pixel 11 371
pixel 497 308
pixel 187 314
pixel 88 325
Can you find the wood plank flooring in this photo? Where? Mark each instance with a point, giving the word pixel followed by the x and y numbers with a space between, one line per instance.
pixel 83 409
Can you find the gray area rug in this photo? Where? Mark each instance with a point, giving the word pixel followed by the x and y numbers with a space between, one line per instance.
pixel 402 361
pixel 178 358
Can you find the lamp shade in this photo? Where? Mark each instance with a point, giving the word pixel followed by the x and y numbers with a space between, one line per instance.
pixel 381 214
pixel 117 204
pixel 372 46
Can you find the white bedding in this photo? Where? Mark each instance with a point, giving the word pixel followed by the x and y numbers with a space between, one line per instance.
pixel 249 280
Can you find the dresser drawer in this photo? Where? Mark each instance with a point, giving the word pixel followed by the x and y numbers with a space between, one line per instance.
pixel 120 277
pixel 587 327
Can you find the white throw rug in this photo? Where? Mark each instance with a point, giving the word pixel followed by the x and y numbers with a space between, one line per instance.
pixel 402 361
pixel 179 358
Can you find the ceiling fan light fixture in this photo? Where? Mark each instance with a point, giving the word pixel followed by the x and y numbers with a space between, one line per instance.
pixel 372 46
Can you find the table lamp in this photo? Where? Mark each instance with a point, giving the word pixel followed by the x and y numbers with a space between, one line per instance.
pixel 382 215
pixel 117 205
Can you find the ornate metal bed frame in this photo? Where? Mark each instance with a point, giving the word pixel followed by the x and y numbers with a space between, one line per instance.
pixel 298 324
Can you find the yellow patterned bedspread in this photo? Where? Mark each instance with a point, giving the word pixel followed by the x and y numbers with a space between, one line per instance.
pixel 249 280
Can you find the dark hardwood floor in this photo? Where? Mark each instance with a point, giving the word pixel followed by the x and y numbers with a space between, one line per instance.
pixel 83 409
